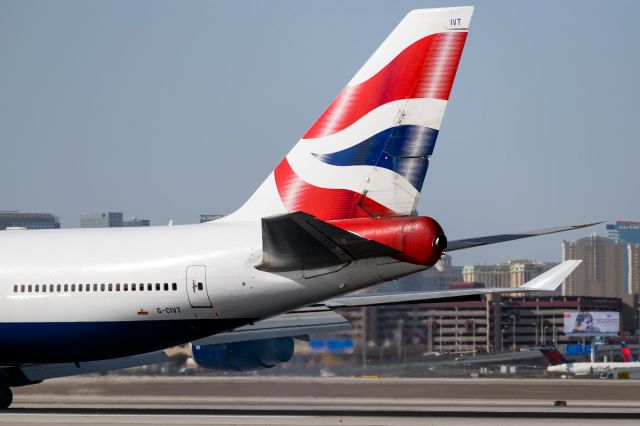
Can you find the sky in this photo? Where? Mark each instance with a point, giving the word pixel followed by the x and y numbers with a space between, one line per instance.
pixel 167 110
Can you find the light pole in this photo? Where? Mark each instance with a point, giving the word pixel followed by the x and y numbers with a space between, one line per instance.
pixel 473 322
pixel 457 339
pixel 363 339
pixel 440 332
pixel 399 337
pixel 513 341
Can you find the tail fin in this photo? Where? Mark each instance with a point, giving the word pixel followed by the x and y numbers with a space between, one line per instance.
pixel 368 153
pixel 553 356
pixel 625 352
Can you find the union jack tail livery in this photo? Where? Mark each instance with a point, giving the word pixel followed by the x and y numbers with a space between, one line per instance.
pixel 368 153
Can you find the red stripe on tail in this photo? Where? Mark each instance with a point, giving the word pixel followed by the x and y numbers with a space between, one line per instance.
pixel 425 69
pixel 323 203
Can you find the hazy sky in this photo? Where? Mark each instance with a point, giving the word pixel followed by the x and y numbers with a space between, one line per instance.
pixel 166 110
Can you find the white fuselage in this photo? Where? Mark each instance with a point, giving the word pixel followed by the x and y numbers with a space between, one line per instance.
pixel 594 368
pixel 190 275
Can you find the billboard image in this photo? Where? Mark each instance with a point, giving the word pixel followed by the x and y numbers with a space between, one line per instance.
pixel 595 323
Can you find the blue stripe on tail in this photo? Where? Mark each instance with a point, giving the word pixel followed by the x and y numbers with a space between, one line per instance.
pixel 403 149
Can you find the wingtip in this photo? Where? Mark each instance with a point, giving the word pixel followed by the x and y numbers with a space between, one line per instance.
pixel 553 278
pixel 586 225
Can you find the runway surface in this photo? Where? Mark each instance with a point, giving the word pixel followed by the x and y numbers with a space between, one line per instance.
pixel 307 420
pixel 320 401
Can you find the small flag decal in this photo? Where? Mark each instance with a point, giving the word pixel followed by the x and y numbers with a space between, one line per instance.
pixel 143 312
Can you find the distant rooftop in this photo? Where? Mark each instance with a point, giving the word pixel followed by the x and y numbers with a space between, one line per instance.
pixel 13 219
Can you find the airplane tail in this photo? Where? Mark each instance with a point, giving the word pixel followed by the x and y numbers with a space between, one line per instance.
pixel 368 153
pixel 625 352
pixel 553 356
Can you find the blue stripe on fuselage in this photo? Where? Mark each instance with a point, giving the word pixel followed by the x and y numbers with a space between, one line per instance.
pixel 37 342
pixel 402 149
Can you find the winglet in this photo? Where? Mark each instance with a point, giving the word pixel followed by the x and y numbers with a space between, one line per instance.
pixel 548 281
pixel 551 280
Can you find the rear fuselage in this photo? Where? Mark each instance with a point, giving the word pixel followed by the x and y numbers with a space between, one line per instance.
pixel 594 368
pixel 86 294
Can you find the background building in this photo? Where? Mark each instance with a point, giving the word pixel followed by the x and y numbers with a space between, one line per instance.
pixel 15 219
pixel 628 232
pixel 491 324
pixel 601 273
pixel 101 220
pixel 609 269
pixel 439 277
pixel 625 231
pixel 511 274
pixel 134 221
pixel 109 220
pixel 633 268
pixel 209 217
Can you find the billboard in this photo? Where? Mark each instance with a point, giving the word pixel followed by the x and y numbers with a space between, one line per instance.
pixel 594 323
pixel 576 349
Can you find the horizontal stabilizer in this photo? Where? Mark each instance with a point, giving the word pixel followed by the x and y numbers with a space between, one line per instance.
pixel 501 238
pixel 38 372
pixel 548 281
pixel 286 325
pixel 298 241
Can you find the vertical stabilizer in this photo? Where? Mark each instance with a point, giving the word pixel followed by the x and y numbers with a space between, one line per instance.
pixel 368 153
pixel 553 356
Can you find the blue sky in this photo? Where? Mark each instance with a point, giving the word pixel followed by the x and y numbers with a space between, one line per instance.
pixel 166 110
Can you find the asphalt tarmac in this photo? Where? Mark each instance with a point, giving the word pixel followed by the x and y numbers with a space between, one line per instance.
pixel 320 401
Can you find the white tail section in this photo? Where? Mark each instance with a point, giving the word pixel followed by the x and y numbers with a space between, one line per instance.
pixel 368 153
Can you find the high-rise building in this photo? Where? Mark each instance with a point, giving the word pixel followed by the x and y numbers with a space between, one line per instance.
pixel 15 219
pixel 601 273
pixel 633 268
pixel 625 231
pixel 109 220
pixel 628 232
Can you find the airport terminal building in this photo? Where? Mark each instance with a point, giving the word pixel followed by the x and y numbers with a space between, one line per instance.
pixel 16 219
pixel 493 324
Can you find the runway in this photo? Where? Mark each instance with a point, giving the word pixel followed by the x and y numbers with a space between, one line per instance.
pixel 102 419
pixel 320 401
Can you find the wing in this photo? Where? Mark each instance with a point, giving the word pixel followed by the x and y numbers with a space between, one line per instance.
pixel 548 281
pixel 501 238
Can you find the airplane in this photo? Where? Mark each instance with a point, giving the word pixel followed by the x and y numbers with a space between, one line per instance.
pixel 337 215
pixel 559 364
